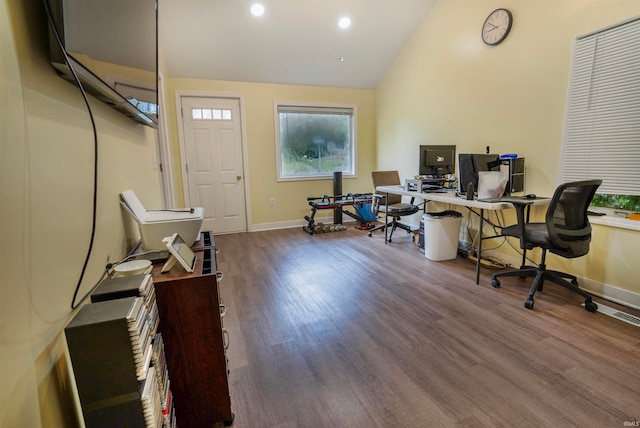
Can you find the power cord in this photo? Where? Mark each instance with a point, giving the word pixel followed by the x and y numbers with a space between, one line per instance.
pixel 110 266
pixel 489 262
pixel 74 305
pixel 177 210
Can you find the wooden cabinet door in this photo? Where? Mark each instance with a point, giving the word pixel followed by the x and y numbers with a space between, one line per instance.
pixel 191 327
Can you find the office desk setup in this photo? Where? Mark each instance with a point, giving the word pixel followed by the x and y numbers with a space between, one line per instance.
pixel 495 204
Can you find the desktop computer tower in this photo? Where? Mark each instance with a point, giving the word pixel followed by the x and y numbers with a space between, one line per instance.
pixel 515 169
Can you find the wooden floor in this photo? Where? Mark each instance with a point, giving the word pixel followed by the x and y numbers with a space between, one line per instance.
pixel 341 330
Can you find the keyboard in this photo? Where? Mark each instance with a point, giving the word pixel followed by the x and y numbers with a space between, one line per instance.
pixel 431 187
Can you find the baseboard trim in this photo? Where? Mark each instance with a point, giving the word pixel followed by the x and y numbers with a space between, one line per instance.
pixel 611 293
pixel 294 223
pixel 274 226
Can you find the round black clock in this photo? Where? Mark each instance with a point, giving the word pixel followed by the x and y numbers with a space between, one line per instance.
pixel 497 26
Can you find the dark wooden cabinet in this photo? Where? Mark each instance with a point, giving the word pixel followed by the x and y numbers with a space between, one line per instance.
pixel 195 341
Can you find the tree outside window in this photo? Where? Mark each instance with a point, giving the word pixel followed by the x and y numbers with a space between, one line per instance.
pixel 314 141
pixel 620 202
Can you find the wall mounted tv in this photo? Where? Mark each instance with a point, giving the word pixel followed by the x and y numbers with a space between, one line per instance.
pixel 112 46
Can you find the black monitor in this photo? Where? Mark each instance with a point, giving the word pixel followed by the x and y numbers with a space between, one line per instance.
pixel 437 161
pixel 470 164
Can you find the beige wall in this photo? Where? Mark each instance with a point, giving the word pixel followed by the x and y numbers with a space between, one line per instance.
pixel 291 205
pixel 46 180
pixel 447 87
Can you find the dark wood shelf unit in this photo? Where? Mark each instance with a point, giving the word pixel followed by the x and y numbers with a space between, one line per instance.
pixel 191 326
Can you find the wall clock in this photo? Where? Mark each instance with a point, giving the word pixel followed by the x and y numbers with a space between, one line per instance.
pixel 497 26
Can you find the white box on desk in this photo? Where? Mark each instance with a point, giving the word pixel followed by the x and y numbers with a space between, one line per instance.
pixel 156 225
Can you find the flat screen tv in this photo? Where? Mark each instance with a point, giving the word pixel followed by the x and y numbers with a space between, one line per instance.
pixel 112 47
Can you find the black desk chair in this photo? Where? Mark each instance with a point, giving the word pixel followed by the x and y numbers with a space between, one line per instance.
pixel 565 232
pixel 394 204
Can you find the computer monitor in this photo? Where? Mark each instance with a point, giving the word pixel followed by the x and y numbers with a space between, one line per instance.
pixel 470 164
pixel 437 161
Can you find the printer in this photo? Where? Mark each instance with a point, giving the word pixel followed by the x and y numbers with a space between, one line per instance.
pixel 155 225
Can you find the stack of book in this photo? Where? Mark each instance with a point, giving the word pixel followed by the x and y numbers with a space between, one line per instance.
pixel 151 404
pixel 139 332
pixel 131 286
pixel 118 357
pixel 159 362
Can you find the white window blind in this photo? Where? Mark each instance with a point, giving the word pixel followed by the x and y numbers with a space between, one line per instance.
pixel 602 127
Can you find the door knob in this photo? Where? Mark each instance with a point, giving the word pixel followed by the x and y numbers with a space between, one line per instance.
pixel 238 177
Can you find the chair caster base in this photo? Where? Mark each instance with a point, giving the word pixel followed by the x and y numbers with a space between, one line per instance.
pixel 528 303
pixel 495 283
pixel 590 306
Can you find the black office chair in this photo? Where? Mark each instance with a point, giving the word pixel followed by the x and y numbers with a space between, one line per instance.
pixel 566 232
pixel 394 204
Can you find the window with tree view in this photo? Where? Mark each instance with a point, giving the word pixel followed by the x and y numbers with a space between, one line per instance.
pixel 314 141
pixel 620 202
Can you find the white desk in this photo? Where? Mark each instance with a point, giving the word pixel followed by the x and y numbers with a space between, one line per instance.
pixel 451 198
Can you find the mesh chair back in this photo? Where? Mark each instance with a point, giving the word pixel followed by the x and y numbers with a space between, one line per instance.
pixel 386 178
pixel 567 220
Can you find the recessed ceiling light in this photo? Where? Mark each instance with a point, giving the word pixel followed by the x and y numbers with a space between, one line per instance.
pixel 257 9
pixel 344 22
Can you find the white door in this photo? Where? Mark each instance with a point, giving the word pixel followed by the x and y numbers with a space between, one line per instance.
pixel 214 167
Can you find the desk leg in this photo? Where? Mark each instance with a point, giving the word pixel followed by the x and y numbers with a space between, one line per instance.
pixel 479 246
pixel 386 217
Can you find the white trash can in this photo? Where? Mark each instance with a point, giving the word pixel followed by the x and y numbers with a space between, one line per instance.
pixel 441 231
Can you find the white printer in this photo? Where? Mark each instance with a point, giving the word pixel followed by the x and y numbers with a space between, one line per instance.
pixel 155 225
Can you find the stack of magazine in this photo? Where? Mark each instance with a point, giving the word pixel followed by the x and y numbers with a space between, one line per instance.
pixel 149 355
pixel 148 293
pixel 148 349
pixel 151 401
pixel 140 334
pixel 162 378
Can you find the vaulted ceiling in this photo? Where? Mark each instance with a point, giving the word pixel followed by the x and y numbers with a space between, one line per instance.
pixel 294 42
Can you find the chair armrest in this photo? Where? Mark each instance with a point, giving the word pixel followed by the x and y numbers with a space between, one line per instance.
pixel 522 208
